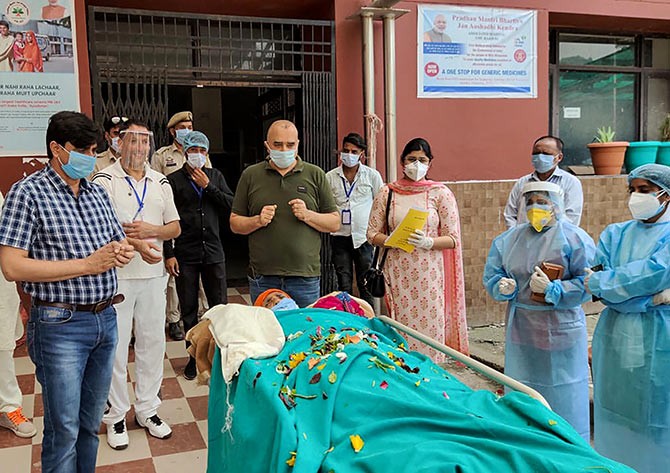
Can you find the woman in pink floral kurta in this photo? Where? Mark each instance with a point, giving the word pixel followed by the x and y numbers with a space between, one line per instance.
pixel 425 288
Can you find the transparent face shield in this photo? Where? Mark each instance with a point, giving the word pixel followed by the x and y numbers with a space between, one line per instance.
pixel 543 199
pixel 135 148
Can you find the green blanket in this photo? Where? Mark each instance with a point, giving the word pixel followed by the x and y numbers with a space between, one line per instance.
pixel 344 396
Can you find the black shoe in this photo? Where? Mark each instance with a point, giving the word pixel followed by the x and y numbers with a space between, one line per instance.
pixel 189 371
pixel 176 332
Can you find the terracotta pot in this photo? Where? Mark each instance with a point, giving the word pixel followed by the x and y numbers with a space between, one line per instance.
pixel 607 158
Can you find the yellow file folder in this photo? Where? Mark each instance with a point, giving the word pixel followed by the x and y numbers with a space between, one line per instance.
pixel 414 220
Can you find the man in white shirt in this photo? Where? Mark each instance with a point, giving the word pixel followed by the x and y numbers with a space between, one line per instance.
pixel 144 204
pixel 354 187
pixel 547 154
pixel 11 329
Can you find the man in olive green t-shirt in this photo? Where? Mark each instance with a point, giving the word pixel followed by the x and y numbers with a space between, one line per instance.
pixel 283 204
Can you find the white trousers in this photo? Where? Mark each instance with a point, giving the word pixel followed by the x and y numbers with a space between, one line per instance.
pixel 10 394
pixel 143 309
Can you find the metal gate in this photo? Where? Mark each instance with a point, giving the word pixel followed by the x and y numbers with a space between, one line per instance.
pixel 135 55
pixel 139 93
pixel 205 50
pixel 320 143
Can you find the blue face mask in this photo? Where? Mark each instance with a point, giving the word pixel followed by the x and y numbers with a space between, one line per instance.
pixel 180 134
pixel 543 162
pixel 350 159
pixel 282 159
pixel 79 165
pixel 285 304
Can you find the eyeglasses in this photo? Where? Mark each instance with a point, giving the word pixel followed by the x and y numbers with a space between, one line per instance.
pixel 413 159
pixel 117 120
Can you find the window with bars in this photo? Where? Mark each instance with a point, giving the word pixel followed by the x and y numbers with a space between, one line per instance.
pixel 616 80
pixel 206 47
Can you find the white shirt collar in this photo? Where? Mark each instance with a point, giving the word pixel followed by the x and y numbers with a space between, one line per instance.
pixel 118 171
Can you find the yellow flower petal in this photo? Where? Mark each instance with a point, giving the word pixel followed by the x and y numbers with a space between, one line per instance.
pixel 291 461
pixel 296 359
pixel 332 377
pixel 356 442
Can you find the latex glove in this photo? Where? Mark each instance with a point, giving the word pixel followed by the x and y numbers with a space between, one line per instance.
pixel 539 281
pixel 588 272
pixel 662 297
pixel 506 286
pixel 420 240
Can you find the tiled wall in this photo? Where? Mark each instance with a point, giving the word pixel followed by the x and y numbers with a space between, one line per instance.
pixel 481 207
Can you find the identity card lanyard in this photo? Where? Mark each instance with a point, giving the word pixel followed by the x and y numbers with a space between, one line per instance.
pixel 197 189
pixel 346 213
pixel 140 202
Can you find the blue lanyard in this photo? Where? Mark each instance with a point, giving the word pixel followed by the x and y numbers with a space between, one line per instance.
pixel 197 189
pixel 351 189
pixel 140 202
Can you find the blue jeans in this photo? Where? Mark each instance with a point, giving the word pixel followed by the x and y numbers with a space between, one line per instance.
pixel 73 353
pixel 304 291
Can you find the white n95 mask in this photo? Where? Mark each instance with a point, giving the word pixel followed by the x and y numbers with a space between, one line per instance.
pixel 416 170
pixel 196 160
pixel 115 144
pixel 645 206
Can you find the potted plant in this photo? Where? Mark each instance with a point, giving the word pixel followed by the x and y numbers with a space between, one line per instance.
pixel 640 153
pixel 607 155
pixel 663 156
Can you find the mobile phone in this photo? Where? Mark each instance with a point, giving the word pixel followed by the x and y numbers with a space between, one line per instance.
pixel 595 269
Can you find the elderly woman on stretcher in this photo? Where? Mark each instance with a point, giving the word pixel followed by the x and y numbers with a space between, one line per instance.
pixel 329 390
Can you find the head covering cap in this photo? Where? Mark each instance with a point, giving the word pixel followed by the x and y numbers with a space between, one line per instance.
pixel 180 117
pixel 545 188
pixel 655 173
pixel 196 139
pixel 542 186
pixel 264 295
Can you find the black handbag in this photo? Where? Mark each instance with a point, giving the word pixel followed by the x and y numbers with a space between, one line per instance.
pixel 374 278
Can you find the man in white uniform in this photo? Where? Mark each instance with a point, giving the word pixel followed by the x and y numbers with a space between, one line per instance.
pixel 143 201
pixel 11 329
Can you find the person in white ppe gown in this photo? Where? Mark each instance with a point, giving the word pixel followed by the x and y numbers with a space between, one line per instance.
pixel 545 341
pixel 631 343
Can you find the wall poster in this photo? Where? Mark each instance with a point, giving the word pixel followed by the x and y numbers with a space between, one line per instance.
pixel 38 71
pixel 474 52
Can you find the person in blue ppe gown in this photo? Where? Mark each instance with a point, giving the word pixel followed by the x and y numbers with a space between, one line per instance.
pixel 545 341
pixel 631 342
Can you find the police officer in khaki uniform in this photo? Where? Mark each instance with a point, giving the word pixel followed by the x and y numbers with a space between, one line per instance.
pixel 108 157
pixel 167 160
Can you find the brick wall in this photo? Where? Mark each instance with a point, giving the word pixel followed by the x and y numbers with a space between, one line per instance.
pixel 481 207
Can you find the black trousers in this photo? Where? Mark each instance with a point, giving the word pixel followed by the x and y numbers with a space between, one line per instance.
pixel 213 282
pixel 346 259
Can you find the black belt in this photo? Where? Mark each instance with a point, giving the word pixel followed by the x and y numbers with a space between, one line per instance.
pixel 95 308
